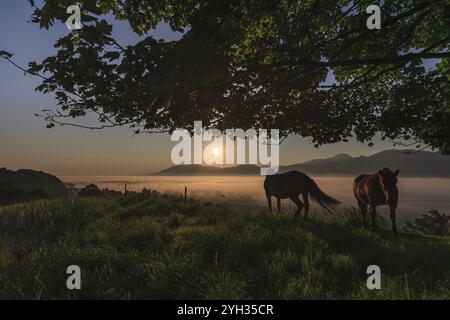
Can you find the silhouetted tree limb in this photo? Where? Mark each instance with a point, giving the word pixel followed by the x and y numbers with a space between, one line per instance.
pixel 261 64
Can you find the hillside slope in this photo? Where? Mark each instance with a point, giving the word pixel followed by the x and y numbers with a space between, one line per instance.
pixel 30 181
pixel 154 248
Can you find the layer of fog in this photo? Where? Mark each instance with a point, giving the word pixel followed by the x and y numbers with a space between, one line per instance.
pixel 417 195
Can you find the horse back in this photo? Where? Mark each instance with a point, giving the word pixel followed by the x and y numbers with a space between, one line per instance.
pixel 287 184
pixel 359 181
pixel 367 189
pixel 361 186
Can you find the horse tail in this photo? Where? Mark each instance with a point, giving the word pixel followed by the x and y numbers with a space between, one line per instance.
pixel 321 198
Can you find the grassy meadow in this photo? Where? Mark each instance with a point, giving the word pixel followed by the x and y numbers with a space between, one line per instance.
pixel 154 248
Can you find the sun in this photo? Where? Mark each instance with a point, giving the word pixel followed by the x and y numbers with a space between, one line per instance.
pixel 216 152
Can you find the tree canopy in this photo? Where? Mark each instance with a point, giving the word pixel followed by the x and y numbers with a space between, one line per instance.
pixel 308 67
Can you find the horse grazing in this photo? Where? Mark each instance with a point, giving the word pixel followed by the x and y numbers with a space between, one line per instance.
pixel 290 185
pixel 377 190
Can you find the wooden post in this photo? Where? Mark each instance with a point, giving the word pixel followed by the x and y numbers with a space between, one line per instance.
pixel 125 188
pixel 185 196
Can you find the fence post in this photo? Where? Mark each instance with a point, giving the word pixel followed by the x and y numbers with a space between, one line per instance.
pixel 185 196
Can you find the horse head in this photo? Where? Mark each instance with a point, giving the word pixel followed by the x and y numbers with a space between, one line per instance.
pixel 388 182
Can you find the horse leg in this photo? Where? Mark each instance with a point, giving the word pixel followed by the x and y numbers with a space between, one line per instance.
pixel 269 202
pixel 299 204
pixel 373 213
pixel 306 201
pixel 363 208
pixel 279 205
pixel 392 214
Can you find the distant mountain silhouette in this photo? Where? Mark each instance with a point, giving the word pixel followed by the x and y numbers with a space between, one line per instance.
pixel 199 170
pixel 30 182
pixel 410 162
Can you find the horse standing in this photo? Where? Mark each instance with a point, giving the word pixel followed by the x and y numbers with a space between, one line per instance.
pixel 377 190
pixel 290 185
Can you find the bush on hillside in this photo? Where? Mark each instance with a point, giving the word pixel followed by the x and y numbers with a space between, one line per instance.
pixel 432 223
pixel 90 190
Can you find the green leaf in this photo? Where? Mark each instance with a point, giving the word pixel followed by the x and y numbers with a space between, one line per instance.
pixel 111 55
pixel 104 27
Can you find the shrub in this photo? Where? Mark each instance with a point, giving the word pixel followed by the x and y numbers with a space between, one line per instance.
pixel 433 223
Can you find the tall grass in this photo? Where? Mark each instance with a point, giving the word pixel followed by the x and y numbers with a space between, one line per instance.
pixel 155 248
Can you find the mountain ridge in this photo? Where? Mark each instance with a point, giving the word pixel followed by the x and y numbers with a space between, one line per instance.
pixel 411 163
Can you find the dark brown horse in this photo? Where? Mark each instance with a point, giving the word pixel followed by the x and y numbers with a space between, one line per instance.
pixel 377 190
pixel 290 185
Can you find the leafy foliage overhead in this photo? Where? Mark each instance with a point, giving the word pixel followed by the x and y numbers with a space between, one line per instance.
pixel 253 63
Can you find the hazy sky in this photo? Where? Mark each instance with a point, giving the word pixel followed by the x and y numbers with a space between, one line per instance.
pixel 26 143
